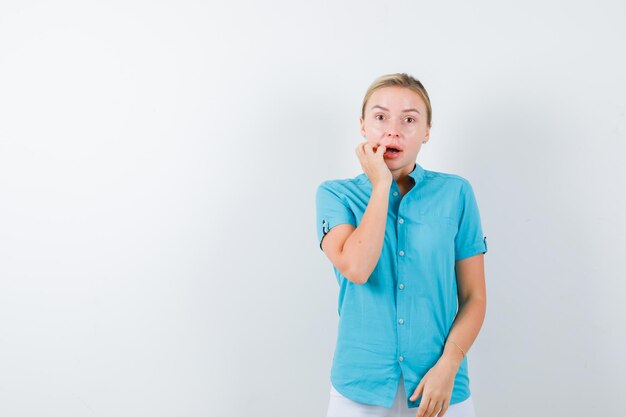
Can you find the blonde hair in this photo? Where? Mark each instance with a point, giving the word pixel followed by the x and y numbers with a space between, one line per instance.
pixel 399 80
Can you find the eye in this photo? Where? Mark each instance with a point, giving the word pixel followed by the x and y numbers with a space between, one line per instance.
pixel 376 117
pixel 410 118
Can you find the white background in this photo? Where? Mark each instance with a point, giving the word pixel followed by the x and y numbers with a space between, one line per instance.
pixel 158 167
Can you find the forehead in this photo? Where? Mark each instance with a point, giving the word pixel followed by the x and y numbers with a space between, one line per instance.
pixel 396 99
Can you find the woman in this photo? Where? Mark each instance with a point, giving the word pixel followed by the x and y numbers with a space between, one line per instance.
pixel 407 250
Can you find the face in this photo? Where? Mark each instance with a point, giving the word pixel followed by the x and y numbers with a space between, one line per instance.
pixel 396 117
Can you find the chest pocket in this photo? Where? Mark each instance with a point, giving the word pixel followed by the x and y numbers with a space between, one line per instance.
pixel 432 234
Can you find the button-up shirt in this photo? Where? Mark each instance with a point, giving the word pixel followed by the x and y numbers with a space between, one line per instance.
pixel 398 321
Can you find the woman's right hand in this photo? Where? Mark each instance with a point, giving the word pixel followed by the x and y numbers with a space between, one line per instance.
pixel 373 163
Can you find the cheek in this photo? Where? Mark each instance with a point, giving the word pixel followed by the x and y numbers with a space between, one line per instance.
pixel 415 130
pixel 373 128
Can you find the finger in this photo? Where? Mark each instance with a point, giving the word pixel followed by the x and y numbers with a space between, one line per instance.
pixel 444 408
pixel 433 407
pixel 436 406
pixel 417 392
pixel 367 148
pixel 381 150
pixel 359 149
pixel 422 410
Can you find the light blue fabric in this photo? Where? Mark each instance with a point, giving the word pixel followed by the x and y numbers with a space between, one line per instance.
pixel 397 322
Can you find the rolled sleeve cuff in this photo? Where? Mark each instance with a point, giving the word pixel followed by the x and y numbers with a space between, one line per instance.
pixel 475 249
pixel 326 227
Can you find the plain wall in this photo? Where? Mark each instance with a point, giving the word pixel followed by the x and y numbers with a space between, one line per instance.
pixel 158 167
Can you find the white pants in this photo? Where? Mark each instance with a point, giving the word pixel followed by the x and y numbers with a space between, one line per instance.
pixel 340 406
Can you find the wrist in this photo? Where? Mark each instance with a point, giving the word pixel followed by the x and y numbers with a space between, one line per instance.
pixel 383 186
pixel 452 356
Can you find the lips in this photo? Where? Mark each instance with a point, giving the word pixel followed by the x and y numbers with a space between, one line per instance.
pixel 392 152
pixel 392 146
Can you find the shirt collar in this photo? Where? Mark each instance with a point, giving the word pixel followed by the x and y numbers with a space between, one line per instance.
pixel 417 173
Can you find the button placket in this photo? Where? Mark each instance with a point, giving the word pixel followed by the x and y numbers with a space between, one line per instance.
pixel 401 221
pixel 400 300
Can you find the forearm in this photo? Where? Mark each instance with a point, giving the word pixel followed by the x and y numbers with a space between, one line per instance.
pixel 363 247
pixel 464 330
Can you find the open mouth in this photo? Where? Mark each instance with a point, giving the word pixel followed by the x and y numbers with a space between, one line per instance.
pixel 392 152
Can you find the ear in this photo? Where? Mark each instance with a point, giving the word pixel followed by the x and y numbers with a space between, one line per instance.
pixel 362 126
pixel 427 136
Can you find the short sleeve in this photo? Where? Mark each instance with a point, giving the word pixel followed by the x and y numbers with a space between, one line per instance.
pixel 332 209
pixel 469 240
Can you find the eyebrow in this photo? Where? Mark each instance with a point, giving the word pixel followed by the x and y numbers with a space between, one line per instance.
pixel 404 111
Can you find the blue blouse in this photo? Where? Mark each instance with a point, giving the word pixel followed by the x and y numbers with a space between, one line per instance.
pixel 398 321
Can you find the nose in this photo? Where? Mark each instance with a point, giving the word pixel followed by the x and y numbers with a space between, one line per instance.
pixel 392 133
pixel 393 130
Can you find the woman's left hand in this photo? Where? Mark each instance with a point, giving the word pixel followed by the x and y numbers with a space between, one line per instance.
pixel 436 387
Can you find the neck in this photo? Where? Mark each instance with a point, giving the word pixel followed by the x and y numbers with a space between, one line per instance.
pixel 401 175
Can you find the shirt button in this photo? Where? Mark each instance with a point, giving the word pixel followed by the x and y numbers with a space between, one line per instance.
pixel 401 358
pixel 401 221
pixel 395 193
pixel 401 321
pixel 401 286
pixel 401 253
